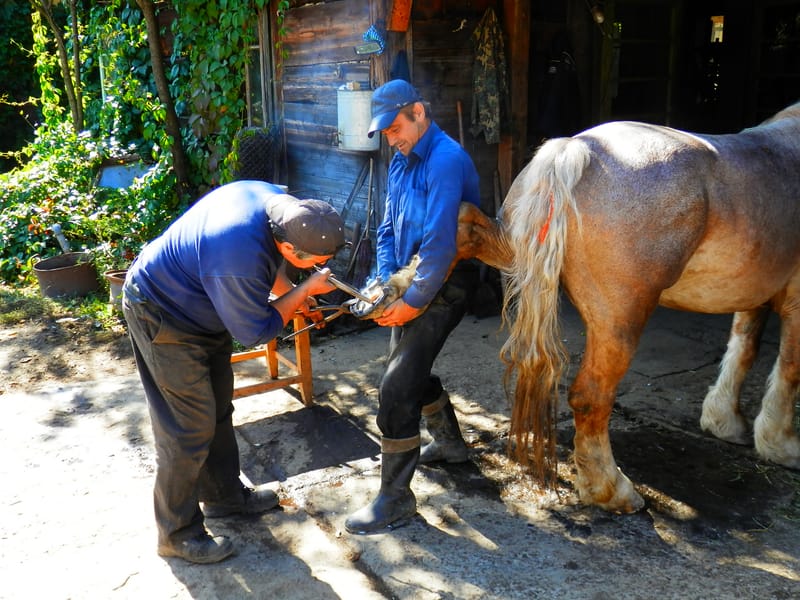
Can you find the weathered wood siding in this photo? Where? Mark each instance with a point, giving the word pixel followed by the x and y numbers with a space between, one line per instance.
pixel 319 57
pixel 442 71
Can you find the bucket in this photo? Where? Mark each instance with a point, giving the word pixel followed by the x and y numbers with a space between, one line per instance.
pixel 355 114
pixel 70 274
pixel 116 279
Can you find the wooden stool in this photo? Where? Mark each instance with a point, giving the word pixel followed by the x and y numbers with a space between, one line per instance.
pixel 301 366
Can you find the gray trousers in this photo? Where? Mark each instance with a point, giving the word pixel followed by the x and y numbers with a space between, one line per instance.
pixel 188 382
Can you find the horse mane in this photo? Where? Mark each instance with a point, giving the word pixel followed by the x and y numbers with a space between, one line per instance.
pixel 539 202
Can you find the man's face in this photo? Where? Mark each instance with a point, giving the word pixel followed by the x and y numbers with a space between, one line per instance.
pixel 404 133
pixel 308 261
pixel 300 259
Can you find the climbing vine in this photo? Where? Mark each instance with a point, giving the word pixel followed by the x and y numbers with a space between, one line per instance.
pixel 205 59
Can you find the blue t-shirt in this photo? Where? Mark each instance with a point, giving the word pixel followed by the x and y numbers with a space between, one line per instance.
pixel 424 192
pixel 214 267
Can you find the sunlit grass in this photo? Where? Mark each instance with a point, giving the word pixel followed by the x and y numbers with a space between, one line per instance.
pixel 18 305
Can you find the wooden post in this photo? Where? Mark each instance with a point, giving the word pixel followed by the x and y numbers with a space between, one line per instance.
pixel 399 15
pixel 511 151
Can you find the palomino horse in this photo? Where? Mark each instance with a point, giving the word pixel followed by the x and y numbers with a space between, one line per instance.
pixel 627 216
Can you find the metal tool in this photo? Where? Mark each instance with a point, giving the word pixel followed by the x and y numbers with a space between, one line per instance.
pixel 337 311
pixel 346 287
pixel 376 292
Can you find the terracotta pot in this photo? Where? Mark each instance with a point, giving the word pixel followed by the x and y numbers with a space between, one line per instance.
pixel 116 279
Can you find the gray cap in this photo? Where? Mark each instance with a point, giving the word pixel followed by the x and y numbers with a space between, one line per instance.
pixel 312 226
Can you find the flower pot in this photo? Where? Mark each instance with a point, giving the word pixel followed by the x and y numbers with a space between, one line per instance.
pixel 70 274
pixel 116 279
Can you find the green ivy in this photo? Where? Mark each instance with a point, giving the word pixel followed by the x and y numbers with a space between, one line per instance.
pixel 58 182
pixel 209 62
pixel 59 186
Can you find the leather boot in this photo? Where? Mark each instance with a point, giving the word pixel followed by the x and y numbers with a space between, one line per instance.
pixel 202 548
pixel 395 503
pixel 246 501
pixel 448 444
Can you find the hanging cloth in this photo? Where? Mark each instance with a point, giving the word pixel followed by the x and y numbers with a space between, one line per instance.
pixel 490 102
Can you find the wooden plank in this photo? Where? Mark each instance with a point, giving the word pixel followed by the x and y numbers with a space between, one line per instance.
pixel 399 15
pixel 324 33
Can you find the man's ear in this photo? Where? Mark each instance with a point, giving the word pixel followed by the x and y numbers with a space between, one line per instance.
pixel 285 248
pixel 419 111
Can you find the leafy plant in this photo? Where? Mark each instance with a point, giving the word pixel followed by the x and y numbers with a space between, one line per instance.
pixel 124 119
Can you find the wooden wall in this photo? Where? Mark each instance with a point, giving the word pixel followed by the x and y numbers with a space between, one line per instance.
pixel 442 72
pixel 319 57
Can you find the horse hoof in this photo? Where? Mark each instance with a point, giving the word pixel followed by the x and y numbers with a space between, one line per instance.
pixel 624 506
pixel 620 498
pixel 733 430
pixel 775 445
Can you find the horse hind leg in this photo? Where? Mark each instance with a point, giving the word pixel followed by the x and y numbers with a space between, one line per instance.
pixel 599 481
pixel 721 416
pixel 776 439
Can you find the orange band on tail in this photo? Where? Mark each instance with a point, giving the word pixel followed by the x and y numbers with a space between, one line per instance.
pixel 546 226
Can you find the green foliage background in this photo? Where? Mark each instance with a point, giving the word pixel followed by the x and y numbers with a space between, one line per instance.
pixel 19 79
pixel 57 182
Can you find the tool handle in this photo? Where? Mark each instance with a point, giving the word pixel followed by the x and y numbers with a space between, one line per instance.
pixel 346 287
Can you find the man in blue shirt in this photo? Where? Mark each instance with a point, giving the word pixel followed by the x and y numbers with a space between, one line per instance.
pixel 429 176
pixel 206 279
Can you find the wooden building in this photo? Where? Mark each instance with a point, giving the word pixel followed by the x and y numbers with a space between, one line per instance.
pixel 703 65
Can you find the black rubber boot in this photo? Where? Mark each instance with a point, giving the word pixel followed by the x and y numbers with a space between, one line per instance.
pixel 395 503
pixel 448 445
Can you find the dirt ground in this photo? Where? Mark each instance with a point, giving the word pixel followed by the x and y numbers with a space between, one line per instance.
pixel 718 522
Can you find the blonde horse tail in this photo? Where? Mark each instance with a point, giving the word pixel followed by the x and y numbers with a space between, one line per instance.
pixel 536 213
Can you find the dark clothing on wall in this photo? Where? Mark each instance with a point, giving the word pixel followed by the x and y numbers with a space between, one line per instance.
pixel 490 99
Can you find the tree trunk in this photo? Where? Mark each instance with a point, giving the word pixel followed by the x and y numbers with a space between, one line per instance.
pixel 173 128
pixel 44 7
pixel 76 62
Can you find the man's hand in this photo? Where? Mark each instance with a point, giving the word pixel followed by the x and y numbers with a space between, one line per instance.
pixel 298 297
pixel 398 313
pixel 309 310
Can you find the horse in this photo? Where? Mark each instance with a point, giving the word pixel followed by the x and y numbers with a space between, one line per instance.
pixel 627 216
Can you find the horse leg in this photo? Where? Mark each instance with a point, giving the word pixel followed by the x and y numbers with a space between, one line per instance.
pixel 599 481
pixel 775 437
pixel 721 416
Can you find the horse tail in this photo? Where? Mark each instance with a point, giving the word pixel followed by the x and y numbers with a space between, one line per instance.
pixel 536 212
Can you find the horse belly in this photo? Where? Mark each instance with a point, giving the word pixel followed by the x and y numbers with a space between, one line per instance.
pixel 722 282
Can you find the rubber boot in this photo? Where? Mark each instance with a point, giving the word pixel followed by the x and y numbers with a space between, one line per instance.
pixel 395 503
pixel 448 445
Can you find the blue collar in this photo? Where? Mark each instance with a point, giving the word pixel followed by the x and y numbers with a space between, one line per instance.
pixel 422 148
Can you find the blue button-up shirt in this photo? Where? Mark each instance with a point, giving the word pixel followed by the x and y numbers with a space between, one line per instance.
pixel 424 191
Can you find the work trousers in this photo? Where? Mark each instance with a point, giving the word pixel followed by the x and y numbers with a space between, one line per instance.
pixel 188 382
pixel 408 383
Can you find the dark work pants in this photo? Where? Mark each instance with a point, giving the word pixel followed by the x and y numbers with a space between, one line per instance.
pixel 408 383
pixel 188 382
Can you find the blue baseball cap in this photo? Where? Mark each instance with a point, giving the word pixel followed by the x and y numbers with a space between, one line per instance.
pixel 387 101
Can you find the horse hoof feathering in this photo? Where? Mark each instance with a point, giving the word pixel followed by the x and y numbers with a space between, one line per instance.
pixel 627 216
pixel 383 294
